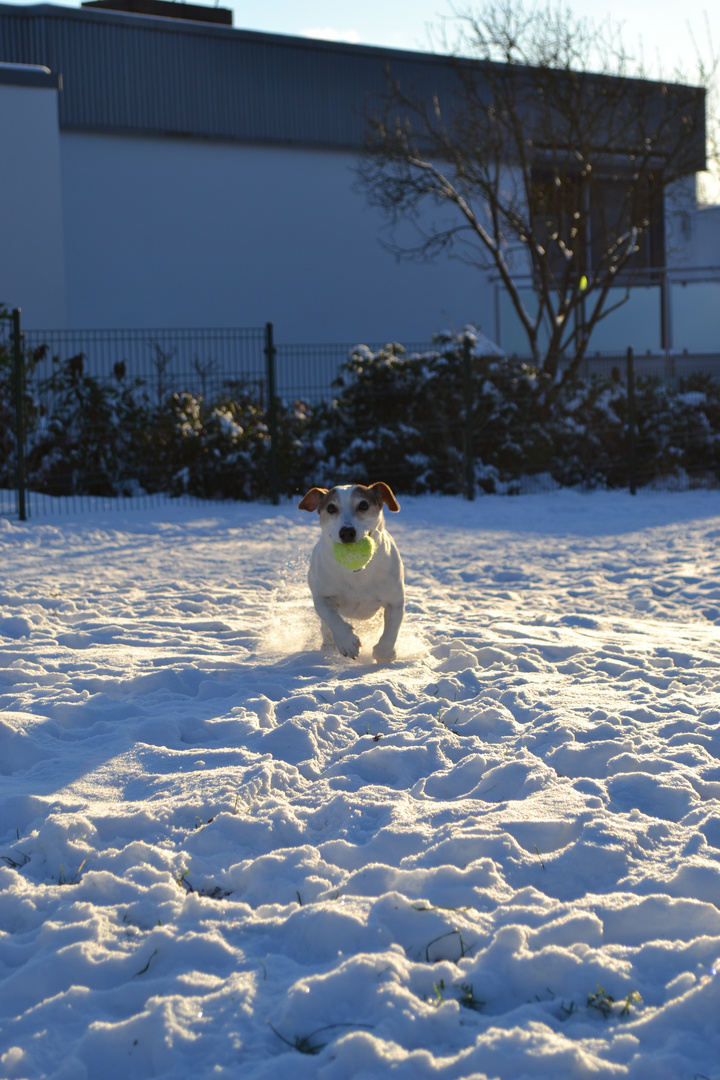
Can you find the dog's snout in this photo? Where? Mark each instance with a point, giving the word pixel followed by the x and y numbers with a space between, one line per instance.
pixel 347 534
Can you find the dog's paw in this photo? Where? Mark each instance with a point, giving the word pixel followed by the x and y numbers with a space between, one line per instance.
pixel 348 645
pixel 384 654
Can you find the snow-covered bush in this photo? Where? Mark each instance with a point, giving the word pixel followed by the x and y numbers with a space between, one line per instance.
pixel 7 418
pixel 221 449
pixel 403 418
pixel 105 437
pixel 677 433
pixel 394 416
pixel 87 435
pixel 8 438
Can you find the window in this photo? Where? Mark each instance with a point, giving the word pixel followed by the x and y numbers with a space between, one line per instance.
pixel 584 216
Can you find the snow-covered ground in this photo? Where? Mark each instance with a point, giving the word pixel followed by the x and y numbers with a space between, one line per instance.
pixel 229 854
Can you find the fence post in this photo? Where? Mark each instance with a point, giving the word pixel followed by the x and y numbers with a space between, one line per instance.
pixel 469 431
pixel 270 353
pixel 632 475
pixel 666 330
pixel 19 391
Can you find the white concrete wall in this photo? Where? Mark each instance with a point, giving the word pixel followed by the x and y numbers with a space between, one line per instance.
pixel 122 231
pixel 170 232
pixel 697 238
pixel 636 323
pixel 32 265
pixel 694 242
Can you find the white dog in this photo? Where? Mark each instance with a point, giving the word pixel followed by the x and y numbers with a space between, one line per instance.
pixel 348 514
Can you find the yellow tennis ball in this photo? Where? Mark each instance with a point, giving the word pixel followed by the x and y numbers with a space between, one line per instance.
pixel 583 283
pixel 355 556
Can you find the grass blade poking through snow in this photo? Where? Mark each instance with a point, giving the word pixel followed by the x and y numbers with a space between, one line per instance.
pixel 304 1044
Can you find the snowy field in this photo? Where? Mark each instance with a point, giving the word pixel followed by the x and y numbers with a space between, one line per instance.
pixel 226 853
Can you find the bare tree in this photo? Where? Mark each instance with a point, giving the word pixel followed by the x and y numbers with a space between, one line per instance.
pixel 545 162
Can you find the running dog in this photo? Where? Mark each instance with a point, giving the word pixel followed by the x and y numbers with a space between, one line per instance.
pixel 349 513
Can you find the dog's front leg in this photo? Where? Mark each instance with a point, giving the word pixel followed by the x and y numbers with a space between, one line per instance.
pixel 384 651
pixel 345 638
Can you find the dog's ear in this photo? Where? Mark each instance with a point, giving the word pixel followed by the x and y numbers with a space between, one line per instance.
pixel 311 501
pixel 384 495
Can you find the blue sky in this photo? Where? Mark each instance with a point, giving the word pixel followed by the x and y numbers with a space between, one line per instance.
pixel 661 25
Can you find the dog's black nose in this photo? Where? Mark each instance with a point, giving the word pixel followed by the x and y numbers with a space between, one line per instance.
pixel 347 534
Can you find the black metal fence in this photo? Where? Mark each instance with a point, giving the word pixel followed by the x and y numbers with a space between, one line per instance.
pixel 80 378
pixel 65 393
pixel 97 415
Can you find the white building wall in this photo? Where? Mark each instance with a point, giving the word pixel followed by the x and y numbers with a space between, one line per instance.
pixel 121 231
pixel 32 264
pixel 171 232
pixel 635 323
pixel 693 243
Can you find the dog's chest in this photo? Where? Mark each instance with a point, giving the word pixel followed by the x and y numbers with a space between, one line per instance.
pixel 359 589
pixel 354 593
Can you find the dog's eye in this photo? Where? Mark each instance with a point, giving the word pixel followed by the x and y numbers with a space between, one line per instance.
pixel 332 509
pixel 363 505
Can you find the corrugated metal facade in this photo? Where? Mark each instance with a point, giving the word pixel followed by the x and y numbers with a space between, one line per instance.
pixel 125 73
pixel 146 75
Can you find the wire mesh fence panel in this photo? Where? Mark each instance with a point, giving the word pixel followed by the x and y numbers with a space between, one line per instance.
pixel 8 502
pixel 122 413
pixel 311 372
pixel 672 368
pixel 307 372
pixel 152 414
pixel 675 436
pixel 198 361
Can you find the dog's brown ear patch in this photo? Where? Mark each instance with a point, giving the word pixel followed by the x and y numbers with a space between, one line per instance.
pixel 311 501
pixel 385 495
